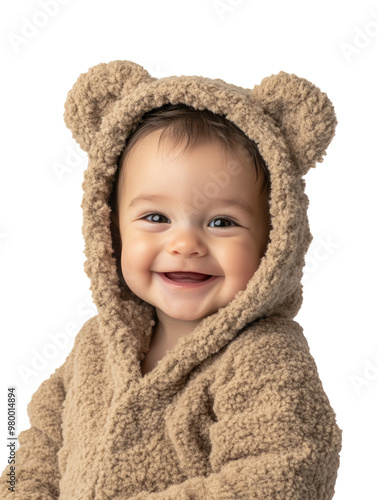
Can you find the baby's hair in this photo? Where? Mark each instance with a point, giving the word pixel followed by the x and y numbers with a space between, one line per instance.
pixel 179 122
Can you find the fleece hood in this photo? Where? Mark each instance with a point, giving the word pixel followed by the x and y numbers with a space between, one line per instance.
pixel 291 121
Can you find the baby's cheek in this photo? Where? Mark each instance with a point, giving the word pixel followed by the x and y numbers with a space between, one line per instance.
pixel 138 253
pixel 244 260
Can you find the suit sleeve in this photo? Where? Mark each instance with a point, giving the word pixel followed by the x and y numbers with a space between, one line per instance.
pixel 36 460
pixel 276 435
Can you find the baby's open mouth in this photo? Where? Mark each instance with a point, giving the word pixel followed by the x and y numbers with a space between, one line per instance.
pixel 188 277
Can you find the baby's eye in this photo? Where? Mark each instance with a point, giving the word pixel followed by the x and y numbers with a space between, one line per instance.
pixel 223 218
pixel 154 215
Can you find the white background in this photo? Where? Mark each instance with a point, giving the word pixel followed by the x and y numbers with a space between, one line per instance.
pixel 44 292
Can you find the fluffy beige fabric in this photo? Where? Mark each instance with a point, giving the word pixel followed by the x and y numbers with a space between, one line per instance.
pixel 236 410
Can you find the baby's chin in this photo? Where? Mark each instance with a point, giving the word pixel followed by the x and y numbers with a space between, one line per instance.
pixel 178 313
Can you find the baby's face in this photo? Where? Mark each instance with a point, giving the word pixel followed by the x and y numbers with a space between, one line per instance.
pixel 189 225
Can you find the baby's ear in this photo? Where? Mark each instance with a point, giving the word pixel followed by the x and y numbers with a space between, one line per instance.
pixel 94 94
pixel 303 113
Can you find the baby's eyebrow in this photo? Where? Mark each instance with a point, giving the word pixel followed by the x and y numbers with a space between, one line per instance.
pixel 146 197
pixel 217 201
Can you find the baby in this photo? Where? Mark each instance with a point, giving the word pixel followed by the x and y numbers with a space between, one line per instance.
pixel 195 242
pixel 193 380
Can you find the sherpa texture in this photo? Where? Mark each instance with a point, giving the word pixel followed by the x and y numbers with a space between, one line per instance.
pixel 236 410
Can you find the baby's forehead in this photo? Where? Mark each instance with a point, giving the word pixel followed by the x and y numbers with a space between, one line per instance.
pixel 230 170
pixel 217 166
pixel 154 145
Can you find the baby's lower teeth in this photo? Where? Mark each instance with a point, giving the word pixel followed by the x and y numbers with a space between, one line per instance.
pixel 190 280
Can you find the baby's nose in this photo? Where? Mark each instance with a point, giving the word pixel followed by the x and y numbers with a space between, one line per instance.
pixel 186 243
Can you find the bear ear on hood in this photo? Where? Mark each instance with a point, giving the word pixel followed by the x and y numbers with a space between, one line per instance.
pixel 94 94
pixel 303 113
